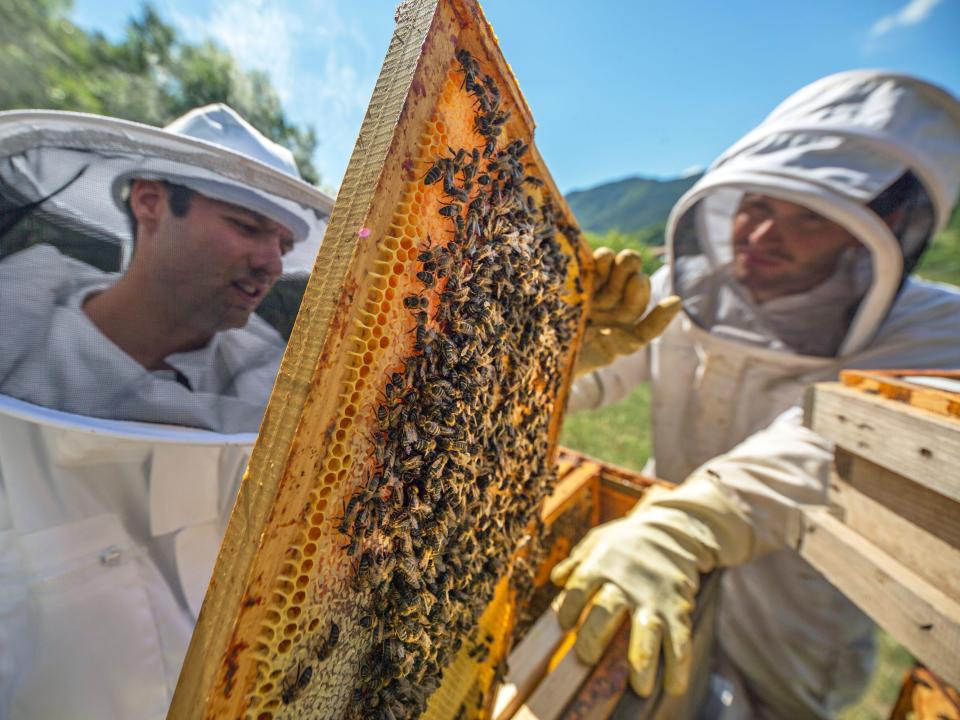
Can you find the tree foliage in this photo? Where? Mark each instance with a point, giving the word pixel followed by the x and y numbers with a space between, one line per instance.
pixel 151 75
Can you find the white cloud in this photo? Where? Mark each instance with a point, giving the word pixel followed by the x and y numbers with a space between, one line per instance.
pixel 914 12
pixel 259 35
pixel 692 170
pixel 313 56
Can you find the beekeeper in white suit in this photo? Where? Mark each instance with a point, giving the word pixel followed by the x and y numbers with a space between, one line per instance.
pixel 129 401
pixel 792 257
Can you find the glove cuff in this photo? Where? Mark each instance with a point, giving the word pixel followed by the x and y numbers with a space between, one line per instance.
pixel 707 512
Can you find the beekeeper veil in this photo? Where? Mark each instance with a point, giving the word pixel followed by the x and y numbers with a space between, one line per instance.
pixel 67 231
pixel 876 153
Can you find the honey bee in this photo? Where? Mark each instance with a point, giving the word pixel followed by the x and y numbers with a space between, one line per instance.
pixel 450 210
pixel 435 172
pixel 289 692
pixel 427 278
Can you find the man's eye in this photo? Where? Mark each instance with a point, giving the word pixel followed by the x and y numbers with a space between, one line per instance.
pixel 812 224
pixel 242 226
pixel 755 209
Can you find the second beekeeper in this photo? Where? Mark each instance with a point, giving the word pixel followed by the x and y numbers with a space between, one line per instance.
pixel 792 256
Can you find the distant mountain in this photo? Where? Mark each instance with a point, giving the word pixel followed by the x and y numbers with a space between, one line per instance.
pixel 628 205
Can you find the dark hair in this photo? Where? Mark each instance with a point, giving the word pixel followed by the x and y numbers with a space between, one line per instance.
pixel 179 198
pixel 914 228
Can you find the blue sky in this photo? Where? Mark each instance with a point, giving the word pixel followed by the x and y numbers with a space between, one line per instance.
pixel 650 88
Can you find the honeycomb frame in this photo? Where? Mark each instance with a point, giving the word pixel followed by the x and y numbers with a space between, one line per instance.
pixel 267 641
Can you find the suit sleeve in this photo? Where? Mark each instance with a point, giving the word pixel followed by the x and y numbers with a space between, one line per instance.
pixel 773 473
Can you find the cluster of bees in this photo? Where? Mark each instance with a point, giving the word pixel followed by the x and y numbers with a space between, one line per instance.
pixel 460 462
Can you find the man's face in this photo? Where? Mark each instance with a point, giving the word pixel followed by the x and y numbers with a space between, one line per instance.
pixel 217 262
pixel 781 248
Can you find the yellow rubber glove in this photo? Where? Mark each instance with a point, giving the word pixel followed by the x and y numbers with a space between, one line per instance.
pixel 616 324
pixel 648 565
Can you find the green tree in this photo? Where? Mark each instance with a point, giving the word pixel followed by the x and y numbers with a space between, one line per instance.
pixel 150 76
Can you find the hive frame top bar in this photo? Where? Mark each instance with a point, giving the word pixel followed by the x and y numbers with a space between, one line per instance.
pixel 427 32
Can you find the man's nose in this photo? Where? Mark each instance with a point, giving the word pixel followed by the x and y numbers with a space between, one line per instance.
pixel 267 257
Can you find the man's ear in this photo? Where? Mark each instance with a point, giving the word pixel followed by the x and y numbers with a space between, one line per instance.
pixel 148 203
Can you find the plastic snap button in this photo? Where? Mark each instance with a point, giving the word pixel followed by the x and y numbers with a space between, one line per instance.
pixel 111 556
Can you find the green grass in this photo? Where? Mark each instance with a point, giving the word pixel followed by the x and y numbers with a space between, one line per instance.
pixel 619 433
pixel 877 702
pixel 941 262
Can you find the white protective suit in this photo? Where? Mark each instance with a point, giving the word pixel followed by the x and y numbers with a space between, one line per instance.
pixel 116 482
pixel 727 385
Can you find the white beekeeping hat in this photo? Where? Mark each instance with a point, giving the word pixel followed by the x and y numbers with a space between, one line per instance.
pixel 86 162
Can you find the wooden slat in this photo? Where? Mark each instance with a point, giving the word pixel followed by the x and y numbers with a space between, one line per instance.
pixel 915 504
pixel 916 526
pixel 917 444
pixel 528 662
pixel 619 492
pixel 567 489
pixel 606 685
pixel 893 385
pixel 918 615
pixel 556 690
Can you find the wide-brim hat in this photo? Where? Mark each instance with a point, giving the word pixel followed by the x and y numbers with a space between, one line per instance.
pixel 86 163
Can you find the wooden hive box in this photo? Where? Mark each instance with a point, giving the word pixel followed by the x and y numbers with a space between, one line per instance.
pixel 388 526
pixel 890 539
pixel 543 679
